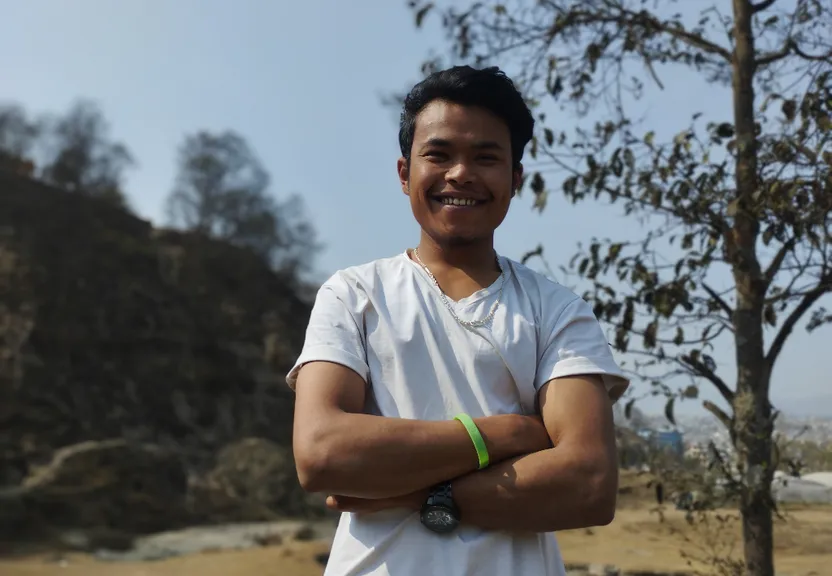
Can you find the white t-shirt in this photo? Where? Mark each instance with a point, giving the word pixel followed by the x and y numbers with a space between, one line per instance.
pixel 386 321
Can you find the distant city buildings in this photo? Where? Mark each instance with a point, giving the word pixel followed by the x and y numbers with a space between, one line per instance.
pixel 692 435
pixel 669 441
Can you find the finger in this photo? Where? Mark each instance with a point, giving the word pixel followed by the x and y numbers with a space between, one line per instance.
pixel 346 504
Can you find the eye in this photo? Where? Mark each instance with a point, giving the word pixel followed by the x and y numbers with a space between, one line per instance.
pixel 436 156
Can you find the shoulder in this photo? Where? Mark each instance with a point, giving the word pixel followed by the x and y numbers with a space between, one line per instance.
pixel 367 277
pixel 572 341
pixel 548 297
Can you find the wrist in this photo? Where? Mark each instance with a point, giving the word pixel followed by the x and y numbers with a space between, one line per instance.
pixel 483 455
pixel 439 512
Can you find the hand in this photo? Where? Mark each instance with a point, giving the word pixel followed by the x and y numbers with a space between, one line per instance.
pixel 413 501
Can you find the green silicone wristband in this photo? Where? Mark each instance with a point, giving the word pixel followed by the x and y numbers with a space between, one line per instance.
pixel 476 438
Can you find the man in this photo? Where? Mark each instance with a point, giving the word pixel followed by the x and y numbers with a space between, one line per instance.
pixel 454 404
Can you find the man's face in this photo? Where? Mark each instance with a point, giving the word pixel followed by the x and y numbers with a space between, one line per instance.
pixel 460 180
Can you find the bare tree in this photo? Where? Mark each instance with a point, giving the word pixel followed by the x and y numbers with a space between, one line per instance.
pixel 751 196
pixel 222 190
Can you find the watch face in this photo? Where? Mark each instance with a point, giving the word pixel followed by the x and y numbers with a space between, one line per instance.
pixel 439 519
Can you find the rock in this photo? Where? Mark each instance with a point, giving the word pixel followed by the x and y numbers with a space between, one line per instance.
pixel 213 538
pixel 95 539
pixel 269 540
pixel 113 484
pixel 254 480
pixel 305 533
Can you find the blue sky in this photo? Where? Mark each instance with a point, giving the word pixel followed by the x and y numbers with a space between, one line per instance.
pixel 302 81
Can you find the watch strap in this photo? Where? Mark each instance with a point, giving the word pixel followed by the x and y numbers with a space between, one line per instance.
pixel 442 491
pixel 443 495
pixel 476 437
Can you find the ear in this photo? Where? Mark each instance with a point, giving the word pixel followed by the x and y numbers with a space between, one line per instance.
pixel 404 175
pixel 516 180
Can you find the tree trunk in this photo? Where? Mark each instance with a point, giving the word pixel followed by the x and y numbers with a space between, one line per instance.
pixel 753 428
pixel 752 411
pixel 757 528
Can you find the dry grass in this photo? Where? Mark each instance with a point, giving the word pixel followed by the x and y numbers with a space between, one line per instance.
pixel 636 540
pixel 295 559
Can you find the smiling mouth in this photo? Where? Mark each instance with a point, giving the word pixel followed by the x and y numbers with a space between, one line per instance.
pixel 464 202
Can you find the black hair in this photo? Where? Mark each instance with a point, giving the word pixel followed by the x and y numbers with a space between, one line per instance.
pixel 488 88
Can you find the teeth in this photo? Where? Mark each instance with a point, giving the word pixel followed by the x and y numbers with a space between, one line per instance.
pixel 458 201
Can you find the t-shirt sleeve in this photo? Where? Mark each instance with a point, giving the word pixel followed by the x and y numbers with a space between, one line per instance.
pixel 334 333
pixel 574 344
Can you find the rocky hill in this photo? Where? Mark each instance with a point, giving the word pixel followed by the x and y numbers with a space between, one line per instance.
pixel 141 371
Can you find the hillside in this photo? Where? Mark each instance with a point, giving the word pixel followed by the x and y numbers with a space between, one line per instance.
pixel 129 358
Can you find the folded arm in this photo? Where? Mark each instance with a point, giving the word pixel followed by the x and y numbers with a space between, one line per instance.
pixel 572 485
pixel 340 450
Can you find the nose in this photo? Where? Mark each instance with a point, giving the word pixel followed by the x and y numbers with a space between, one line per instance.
pixel 459 174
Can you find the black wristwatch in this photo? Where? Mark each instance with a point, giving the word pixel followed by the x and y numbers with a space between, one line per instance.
pixel 440 513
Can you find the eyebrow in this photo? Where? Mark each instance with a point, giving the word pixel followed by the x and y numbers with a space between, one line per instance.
pixel 480 145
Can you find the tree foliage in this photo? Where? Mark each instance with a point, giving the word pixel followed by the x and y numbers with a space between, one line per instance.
pixel 222 190
pixel 737 244
pixel 80 156
pixel 73 151
pixel 18 134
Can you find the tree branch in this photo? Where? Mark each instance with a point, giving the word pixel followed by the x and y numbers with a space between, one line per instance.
pixel 771 57
pixel 710 375
pixel 788 48
pixel 718 413
pixel 812 296
pixel 764 5
pixel 774 267
pixel 577 18
pixel 818 58
pixel 719 300
pixel 681 34
pixel 735 482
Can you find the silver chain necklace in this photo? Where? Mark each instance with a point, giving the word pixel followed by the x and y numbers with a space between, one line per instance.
pixel 450 306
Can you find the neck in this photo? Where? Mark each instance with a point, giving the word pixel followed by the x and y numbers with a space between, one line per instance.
pixel 476 255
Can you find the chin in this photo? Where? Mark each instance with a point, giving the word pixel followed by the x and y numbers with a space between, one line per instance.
pixel 457 233
pixel 460 240
pixel 455 239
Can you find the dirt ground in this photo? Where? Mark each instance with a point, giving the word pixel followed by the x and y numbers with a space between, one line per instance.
pixel 636 540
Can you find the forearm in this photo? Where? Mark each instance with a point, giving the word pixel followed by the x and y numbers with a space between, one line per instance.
pixel 376 457
pixel 547 491
pixel 542 489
